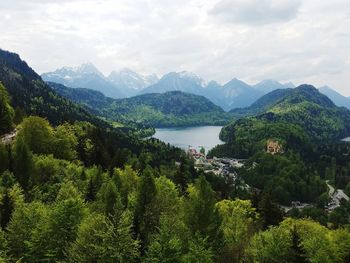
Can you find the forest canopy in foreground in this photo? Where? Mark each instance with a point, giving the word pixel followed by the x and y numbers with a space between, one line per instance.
pixel 75 189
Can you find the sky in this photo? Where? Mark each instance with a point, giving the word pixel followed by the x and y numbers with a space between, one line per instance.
pixel 303 41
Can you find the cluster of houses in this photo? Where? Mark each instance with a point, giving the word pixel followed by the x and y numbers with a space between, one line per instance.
pixel 218 166
pixel 224 167
pixel 337 197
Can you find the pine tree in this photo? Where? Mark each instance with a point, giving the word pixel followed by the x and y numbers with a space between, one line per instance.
pixel 7 179
pixel 23 163
pixel 95 183
pixel 6 208
pixel 90 192
pixel 299 255
pixel 104 239
pixel 202 217
pixel 18 116
pixel 145 195
pixel 182 177
pixel 6 111
pixel 52 238
pixel 269 211
pixel 110 198
pixel 4 158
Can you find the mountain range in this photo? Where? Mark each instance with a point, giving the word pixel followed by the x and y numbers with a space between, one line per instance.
pixel 30 94
pixel 305 106
pixel 168 109
pixel 293 117
pixel 336 97
pixel 127 83
pixel 118 84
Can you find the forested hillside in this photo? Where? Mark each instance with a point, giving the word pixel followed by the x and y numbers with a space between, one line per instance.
pixel 78 191
pixel 295 122
pixel 264 103
pixel 169 109
pixel 304 106
pixel 30 95
pixel 6 111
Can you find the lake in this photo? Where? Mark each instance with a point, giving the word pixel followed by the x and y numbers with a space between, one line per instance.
pixel 194 137
pixel 346 139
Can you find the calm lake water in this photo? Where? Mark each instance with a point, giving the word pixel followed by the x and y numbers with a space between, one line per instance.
pixel 195 137
pixel 346 139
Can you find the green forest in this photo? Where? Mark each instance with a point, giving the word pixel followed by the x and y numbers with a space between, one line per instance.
pixel 308 128
pixel 74 188
pixel 60 202
pixel 169 109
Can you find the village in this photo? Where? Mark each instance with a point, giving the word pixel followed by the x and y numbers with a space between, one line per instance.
pixel 225 167
pixel 219 166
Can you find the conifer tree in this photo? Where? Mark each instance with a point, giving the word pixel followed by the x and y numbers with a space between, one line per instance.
pixel 90 191
pixel 269 211
pixel 299 255
pixel 201 215
pixel 182 176
pixel 145 195
pixel 6 111
pixel 6 208
pixel 23 162
pixel 110 198
pixel 4 158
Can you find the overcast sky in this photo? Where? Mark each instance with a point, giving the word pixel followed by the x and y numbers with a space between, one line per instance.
pixel 303 41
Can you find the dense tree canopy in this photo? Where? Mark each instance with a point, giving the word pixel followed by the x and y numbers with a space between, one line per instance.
pixel 75 189
pixel 6 111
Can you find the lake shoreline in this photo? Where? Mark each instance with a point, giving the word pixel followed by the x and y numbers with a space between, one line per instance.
pixel 190 137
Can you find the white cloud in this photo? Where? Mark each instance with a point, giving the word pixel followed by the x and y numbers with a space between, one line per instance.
pixel 257 12
pixel 299 41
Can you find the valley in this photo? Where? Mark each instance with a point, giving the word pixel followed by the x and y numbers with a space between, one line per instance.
pixel 206 137
pixel 169 109
pixel 188 131
pixel 167 167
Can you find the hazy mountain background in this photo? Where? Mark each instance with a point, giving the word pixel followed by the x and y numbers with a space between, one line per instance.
pixel 119 84
pixel 127 83
pixel 168 109
pixel 336 97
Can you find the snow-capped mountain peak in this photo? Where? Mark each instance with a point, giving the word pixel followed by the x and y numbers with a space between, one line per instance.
pixel 127 78
pixel 88 68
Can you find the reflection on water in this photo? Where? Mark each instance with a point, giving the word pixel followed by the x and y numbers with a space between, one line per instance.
pixel 194 137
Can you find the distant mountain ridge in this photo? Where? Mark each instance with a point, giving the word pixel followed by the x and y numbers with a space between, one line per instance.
pixel 262 104
pixel 336 97
pixel 237 94
pixel 84 76
pixel 295 118
pixel 33 96
pixel 269 85
pixel 304 106
pixel 169 109
pixel 234 94
pixel 119 84
pixel 127 83
pixel 177 81
pixel 131 82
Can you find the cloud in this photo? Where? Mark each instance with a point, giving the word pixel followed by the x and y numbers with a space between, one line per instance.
pixel 306 42
pixel 256 12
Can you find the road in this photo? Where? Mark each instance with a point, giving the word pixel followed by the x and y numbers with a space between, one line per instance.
pixel 331 189
pixel 8 138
